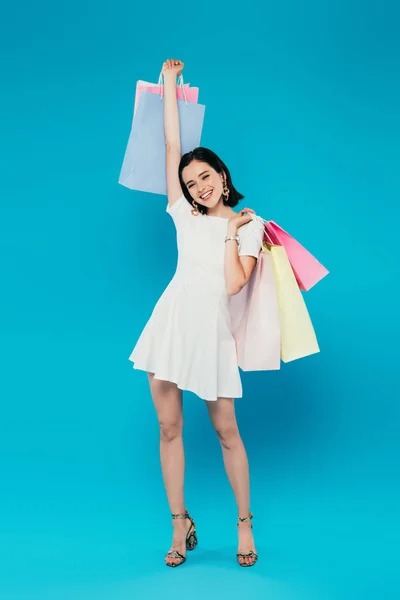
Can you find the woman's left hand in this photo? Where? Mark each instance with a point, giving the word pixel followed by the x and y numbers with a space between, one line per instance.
pixel 240 219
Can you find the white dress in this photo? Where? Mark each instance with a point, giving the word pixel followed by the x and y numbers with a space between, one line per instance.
pixel 188 338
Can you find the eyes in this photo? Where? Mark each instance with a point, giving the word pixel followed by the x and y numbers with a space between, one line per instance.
pixel 191 185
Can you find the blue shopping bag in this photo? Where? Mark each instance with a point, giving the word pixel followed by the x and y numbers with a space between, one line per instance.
pixel 143 168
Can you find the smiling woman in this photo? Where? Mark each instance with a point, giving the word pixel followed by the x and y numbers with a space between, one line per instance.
pixel 188 344
pixel 197 181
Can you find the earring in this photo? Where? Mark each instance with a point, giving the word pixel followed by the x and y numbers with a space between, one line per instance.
pixel 226 192
pixel 195 209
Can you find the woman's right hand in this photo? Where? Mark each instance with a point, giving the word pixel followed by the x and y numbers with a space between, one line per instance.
pixel 172 67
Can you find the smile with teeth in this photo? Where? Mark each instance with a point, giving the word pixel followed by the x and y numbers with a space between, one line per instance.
pixel 206 195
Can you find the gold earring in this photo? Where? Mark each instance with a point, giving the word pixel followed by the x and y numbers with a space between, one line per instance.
pixel 226 191
pixel 195 209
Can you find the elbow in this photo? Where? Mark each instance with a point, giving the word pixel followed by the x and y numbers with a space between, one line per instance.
pixel 232 291
pixel 234 288
pixel 238 283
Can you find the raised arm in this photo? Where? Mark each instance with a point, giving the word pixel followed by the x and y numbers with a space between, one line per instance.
pixel 171 69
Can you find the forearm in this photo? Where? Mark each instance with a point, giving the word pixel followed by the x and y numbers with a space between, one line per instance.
pixel 171 115
pixel 235 276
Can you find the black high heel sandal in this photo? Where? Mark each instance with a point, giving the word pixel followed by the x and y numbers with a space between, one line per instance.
pixel 191 540
pixel 250 554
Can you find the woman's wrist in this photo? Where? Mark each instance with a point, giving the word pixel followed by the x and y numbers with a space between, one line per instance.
pixel 169 77
pixel 231 230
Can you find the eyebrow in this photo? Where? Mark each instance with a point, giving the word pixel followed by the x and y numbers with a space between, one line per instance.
pixel 191 180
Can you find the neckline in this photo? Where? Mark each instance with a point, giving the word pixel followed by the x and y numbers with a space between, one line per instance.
pixel 217 217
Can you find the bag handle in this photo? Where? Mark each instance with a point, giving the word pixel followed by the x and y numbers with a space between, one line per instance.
pixel 267 237
pixel 180 82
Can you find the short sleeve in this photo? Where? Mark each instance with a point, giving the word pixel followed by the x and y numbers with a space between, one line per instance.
pixel 180 210
pixel 251 238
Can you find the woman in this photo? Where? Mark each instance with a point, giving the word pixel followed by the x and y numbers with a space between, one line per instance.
pixel 187 344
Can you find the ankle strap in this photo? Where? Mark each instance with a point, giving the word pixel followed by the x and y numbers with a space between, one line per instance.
pixel 246 519
pixel 184 515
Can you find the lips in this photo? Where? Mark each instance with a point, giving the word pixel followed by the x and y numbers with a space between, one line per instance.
pixel 207 196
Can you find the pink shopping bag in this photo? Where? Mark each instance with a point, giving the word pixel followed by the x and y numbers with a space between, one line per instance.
pixel 191 94
pixel 307 269
pixel 255 319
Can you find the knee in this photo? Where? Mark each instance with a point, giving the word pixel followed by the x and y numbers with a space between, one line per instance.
pixel 169 431
pixel 228 435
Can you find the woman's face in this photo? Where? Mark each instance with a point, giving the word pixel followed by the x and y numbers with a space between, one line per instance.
pixel 204 184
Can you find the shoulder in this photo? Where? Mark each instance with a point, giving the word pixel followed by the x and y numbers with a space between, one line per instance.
pixel 181 208
pixel 250 238
pixel 253 227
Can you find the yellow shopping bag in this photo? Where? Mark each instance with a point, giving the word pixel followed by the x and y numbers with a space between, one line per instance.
pixel 298 337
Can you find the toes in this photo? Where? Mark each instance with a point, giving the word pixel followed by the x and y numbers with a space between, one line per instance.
pixel 173 562
pixel 247 561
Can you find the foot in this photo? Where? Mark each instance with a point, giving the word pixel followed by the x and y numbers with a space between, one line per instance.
pixel 246 544
pixel 181 529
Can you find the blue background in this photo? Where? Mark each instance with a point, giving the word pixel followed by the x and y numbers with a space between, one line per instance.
pixel 303 105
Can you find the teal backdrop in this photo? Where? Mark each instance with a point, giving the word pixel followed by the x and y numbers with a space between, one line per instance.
pixel 303 105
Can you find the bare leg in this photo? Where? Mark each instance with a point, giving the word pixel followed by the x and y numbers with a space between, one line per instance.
pixel 167 399
pixel 223 418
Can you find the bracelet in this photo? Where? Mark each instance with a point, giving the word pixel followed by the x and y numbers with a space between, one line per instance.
pixel 232 237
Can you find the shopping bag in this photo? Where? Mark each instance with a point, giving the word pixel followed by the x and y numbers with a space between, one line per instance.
pixel 255 319
pixel 143 166
pixel 307 269
pixel 298 337
pixel 191 94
